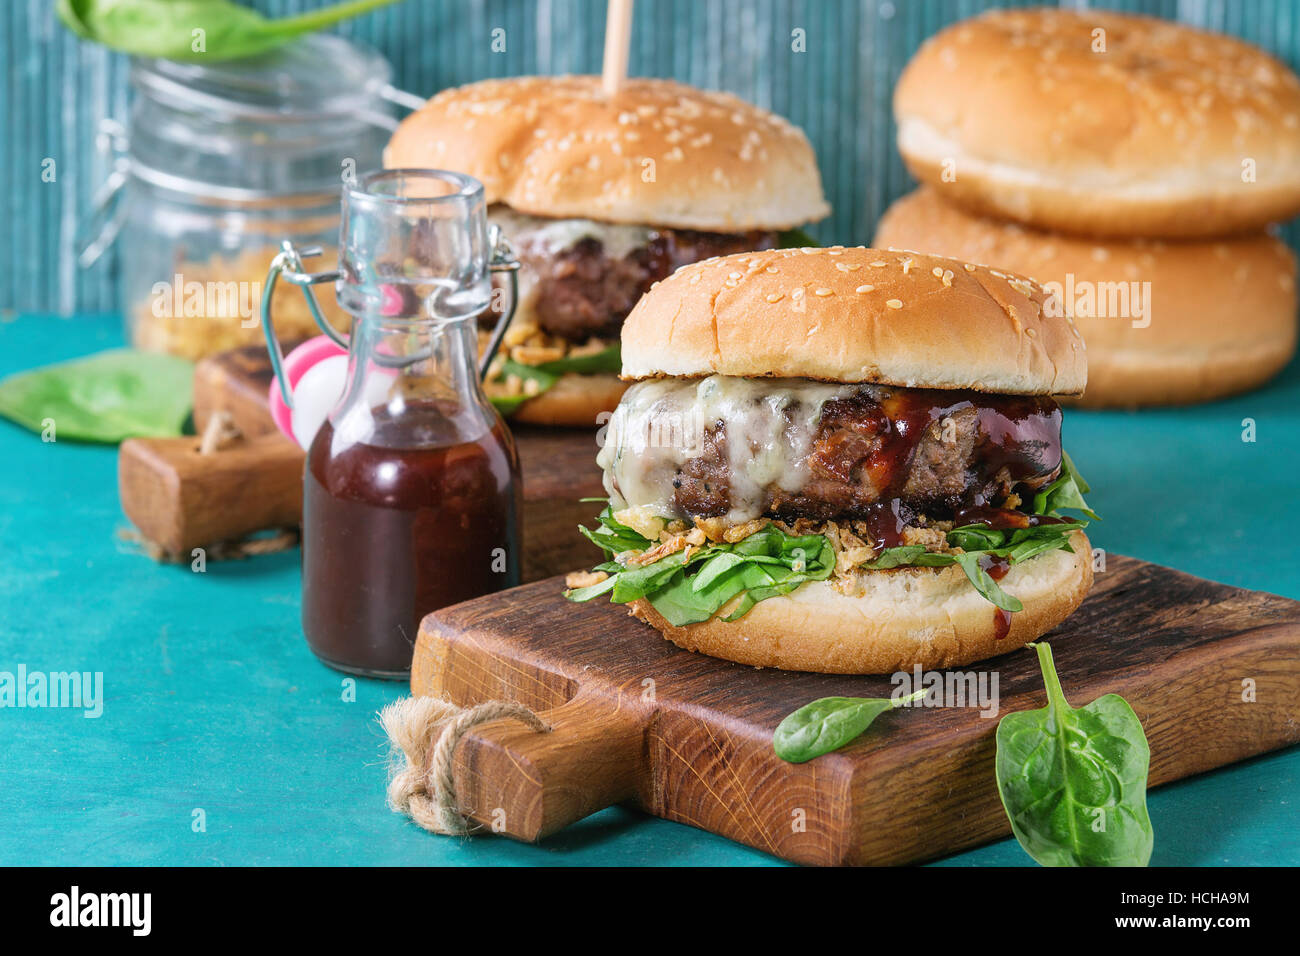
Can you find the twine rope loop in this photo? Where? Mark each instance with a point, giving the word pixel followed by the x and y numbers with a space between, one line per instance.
pixel 424 732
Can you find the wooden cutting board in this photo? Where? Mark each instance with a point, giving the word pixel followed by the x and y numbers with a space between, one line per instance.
pixel 558 464
pixel 688 738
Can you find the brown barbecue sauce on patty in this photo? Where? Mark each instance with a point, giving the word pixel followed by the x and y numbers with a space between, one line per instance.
pixel 889 456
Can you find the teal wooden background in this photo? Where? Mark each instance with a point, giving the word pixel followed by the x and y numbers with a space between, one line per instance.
pixel 56 89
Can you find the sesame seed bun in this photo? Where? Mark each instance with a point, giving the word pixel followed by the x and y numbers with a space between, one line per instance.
pixel 1018 116
pixel 660 153
pixel 855 315
pixel 905 617
pixel 1221 316
pixel 575 400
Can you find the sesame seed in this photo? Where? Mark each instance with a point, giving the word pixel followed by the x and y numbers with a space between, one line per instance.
pixel 879 265
pixel 824 292
pixel 847 266
pixel 895 303
pixel 968 267
pixel 866 288
pixel 774 297
pixel 937 272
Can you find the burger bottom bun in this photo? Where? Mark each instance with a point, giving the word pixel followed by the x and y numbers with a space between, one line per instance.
pixel 906 617
pixel 575 400
pixel 1220 314
pixel 1138 377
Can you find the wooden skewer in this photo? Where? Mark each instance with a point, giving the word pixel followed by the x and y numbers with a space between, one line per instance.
pixel 618 39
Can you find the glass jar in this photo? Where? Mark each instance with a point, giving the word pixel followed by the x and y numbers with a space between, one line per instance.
pixel 218 164
pixel 411 491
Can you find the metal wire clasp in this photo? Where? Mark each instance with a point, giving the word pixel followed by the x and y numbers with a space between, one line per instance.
pixel 503 260
pixel 288 265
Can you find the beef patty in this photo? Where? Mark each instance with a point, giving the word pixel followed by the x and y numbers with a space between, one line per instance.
pixel 910 451
pixel 583 292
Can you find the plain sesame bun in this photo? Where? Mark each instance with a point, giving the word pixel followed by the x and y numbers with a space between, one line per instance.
pixel 855 315
pixel 659 153
pixel 904 618
pixel 1221 315
pixel 1025 115
pixel 575 400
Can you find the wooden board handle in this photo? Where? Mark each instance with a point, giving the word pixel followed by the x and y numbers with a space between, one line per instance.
pixel 181 499
pixel 527 785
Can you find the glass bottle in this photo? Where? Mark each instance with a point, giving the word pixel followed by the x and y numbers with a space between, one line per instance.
pixel 411 491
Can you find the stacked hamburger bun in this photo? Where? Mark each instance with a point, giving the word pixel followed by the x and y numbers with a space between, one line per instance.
pixel 600 198
pixel 1099 152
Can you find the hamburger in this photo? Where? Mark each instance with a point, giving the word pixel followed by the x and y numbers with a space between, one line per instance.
pixel 1102 123
pixel 843 460
pixel 1167 321
pixel 600 198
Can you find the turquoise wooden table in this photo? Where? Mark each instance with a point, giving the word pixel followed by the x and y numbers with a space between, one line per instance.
pixel 215 713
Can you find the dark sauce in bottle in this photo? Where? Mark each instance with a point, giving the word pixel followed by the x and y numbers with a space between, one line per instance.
pixel 392 533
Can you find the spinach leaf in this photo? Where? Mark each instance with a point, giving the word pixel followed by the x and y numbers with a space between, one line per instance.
pixel 548 373
pixel 1066 491
pixel 830 723
pixel 898 557
pixel 593 590
pixel 795 239
pixel 509 404
pixel 165 28
pixel 121 393
pixel 689 588
pixel 1073 781
pixel 984 583
pixel 613 537
pixel 609 360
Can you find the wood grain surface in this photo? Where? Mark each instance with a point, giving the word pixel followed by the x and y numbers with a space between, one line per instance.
pixel 181 499
pixel 688 737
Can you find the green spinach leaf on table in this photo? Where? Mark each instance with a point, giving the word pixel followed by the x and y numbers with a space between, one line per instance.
pixel 1073 780
pixel 121 393
pixel 829 723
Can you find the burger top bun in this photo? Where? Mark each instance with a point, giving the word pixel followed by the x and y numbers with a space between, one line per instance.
pixel 855 315
pixel 1204 317
pixel 660 153
pixel 1103 123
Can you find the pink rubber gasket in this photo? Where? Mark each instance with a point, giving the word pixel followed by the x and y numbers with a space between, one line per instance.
pixel 296 364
